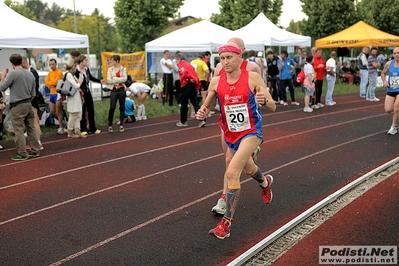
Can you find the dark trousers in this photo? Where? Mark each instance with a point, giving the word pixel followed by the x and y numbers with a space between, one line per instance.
pixel 275 81
pixel 168 88
pixel 178 91
pixel 188 92
pixel 117 94
pixel 318 90
pixel 283 84
pixel 88 106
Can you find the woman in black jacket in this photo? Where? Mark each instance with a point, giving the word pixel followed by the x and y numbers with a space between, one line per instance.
pixel 87 127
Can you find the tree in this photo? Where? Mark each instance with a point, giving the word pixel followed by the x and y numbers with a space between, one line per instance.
pixel 54 13
pixel 326 17
pixel 294 27
pixel 90 26
pixel 20 9
pixel 36 6
pixel 235 14
pixel 380 14
pixel 140 21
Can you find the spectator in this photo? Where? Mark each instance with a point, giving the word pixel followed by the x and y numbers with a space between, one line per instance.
pixel 381 60
pixel 252 58
pixel 203 73
pixel 167 67
pixel 22 90
pixel 129 108
pixel 88 126
pixel 308 83
pixel 141 91
pixel 285 66
pixel 189 86
pixel 273 75
pixel 319 66
pixel 35 102
pixel 344 73
pixel 55 99
pixel 116 77
pixel 355 72
pixel 74 102
pixel 362 63
pixel 373 66
pixel 264 67
pixel 300 62
pixel 331 78
pixel 176 78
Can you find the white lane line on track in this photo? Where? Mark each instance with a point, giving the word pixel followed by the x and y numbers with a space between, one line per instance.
pixel 106 189
pixel 184 129
pixel 176 145
pixel 110 239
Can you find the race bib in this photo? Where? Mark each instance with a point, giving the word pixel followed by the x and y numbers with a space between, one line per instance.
pixel 237 117
pixel 394 82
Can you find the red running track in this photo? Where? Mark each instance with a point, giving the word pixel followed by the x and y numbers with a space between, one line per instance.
pixel 143 197
pixel 370 220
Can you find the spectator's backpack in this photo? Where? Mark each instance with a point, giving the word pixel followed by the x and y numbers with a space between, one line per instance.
pixel 301 77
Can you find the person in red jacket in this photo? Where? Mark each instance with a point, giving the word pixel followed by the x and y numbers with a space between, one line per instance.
pixel 320 69
pixel 190 85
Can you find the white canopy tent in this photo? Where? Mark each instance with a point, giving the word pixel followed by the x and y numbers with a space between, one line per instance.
pixel 21 32
pixel 199 37
pixel 261 29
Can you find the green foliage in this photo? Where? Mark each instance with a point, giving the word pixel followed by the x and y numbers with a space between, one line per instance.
pixel 36 6
pixel 380 14
pixel 20 9
pixel 90 26
pixel 54 13
pixel 140 21
pixel 235 14
pixel 326 17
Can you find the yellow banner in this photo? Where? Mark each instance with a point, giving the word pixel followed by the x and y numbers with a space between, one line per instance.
pixel 134 63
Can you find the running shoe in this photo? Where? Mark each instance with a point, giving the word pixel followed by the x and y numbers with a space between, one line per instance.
pixel 85 133
pixel 201 124
pixel 33 154
pixel 60 131
pixel 267 194
pixel 295 103
pixel 392 131
pixel 222 230
pixel 254 155
pixel 98 131
pixel 220 207
pixel 180 124
pixel 19 158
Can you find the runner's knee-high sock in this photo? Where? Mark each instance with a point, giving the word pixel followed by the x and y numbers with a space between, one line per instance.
pixel 258 176
pixel 139 111
pixel 232 197
pixel 143 110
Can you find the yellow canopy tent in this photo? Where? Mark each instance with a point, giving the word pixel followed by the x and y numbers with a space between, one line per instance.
pixel 358 35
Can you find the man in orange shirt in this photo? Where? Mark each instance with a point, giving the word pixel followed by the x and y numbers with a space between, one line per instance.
pixel 55 100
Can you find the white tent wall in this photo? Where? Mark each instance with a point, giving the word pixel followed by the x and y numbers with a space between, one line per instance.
pixel 261 29
pixel 28 34
pixel 193 39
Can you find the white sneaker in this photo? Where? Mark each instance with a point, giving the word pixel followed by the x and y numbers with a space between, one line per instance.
pixel 329 104
pixel 307 109
pixel 315 106
pixel 143 117
pixel 392 131
pixel 281 102
pixel 180 124
pixel 192 115
pixel 138 118
pixel 334 103
pixel 60 131
pixel 285 103
pixel 295 103
pixel 220 207
pixel 217 107
pixel 375 99
pixel 320 105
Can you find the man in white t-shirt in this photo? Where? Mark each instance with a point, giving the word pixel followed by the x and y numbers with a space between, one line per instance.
pixel 167 69
pixel 331 66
